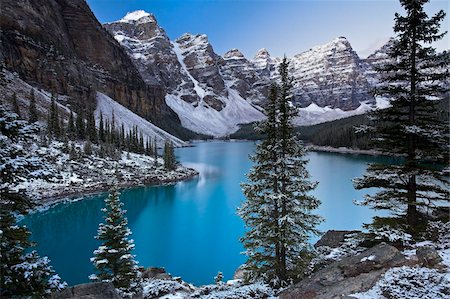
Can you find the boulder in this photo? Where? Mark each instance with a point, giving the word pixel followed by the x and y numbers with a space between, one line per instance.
pixel 94 290
pixel 334 238
pixel 350 275
pixel 156 273
pixel 428 256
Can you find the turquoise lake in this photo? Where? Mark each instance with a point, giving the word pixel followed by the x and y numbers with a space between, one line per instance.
pixel 191 228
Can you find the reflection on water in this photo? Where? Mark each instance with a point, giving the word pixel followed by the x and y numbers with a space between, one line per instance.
pixel 191 228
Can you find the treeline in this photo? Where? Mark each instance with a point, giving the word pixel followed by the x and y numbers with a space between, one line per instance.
pixel 110 139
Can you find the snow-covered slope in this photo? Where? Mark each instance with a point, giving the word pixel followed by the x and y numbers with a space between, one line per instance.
pixel 108 107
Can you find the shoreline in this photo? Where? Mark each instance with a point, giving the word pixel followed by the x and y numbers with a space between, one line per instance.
pixel 344 150
pixel 75 193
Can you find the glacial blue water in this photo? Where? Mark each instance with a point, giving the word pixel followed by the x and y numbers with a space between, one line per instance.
pixel 191 228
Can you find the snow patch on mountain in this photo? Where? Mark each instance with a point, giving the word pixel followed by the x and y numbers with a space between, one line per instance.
pixel 198 89
pixel 314 114
pixel 108 107
pixel 206 120
pixel 134 16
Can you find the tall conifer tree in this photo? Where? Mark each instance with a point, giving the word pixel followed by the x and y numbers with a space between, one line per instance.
pixel 414 80
pixel 278 210
pixel 113 259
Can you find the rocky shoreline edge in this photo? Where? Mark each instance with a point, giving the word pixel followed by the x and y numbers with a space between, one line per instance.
pixel 344 270
pixel 65 194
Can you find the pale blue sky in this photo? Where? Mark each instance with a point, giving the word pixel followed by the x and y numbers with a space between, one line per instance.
pixel 283 27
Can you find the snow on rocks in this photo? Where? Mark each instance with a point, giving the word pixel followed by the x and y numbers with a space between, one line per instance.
pixel 64 177
pixel 409 283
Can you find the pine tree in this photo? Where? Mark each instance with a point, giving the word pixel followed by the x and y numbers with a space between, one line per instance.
pixel 113 259
pixel 32 114
pixel 101 129
pixel 278 209
pixel 91 131
pixel 71 131
pixel 155 152
pixel 414 81
pixel 15 104
pixel 22 272
pixel 169 156
pixel 53 125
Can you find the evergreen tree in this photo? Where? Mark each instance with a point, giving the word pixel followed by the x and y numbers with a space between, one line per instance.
pixel 91 131
pixel 155 152
pixel 278 209
pixel 113 259
pixel 22 272
pixel 169 156
pixel 80 125
pixel 414 81
pixel 33 115
pixel 101 129
pixel 71 131
pixel 53 124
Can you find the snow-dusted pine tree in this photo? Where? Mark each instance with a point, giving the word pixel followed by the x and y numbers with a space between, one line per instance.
pixel 413 127
pixel 113 258
pixel 278 210
pixel 170 161
pixel 21 274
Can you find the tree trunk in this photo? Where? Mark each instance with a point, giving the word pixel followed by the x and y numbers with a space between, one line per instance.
pixel 411 214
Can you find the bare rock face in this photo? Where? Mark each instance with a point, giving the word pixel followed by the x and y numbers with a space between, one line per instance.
pixel 150 49
pixel 94 290
pixel 60 46
pixel 241 75
pixel 350 275
pixel 330 75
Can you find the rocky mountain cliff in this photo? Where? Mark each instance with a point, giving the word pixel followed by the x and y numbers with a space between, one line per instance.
pixel 213 94
pixel 60 46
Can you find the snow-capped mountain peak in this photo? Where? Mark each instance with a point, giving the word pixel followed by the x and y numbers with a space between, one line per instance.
pixel 262 54
pixel 138 15
pixel 233 54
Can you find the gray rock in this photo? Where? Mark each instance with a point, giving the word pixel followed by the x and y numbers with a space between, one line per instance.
pixel 156 273
pixel 94 290
pixel 350 275
pixel 334 238
pixel 428 256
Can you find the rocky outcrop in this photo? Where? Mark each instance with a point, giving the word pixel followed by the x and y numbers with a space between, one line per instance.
pixel 350 275
pixel 59 45
pixel 334 238
pixel 94 290
pixel 428 256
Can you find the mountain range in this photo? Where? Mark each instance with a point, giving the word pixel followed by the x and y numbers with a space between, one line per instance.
pixel 213 94
pixel 182 86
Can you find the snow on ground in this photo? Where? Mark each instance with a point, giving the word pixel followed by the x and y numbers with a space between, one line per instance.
pixel 176 288
pixel 409 283
pixel 107 107
pixel 65 177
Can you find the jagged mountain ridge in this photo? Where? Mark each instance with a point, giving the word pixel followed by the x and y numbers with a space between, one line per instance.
pixel 60 46
pixel 330 81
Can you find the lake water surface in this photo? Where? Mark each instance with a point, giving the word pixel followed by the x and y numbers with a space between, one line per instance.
pixel 191 228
